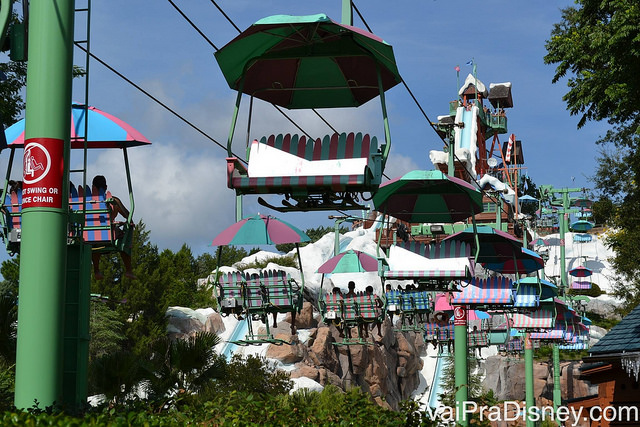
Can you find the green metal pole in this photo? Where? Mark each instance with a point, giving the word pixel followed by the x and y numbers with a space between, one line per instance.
pixel 336 242
pixel 45 204
pixel 528 376
pixel 347 15
pixel 461 369
pixel 557 394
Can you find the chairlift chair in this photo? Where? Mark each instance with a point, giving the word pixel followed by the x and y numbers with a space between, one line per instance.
pixel 308 62
pixel 90 221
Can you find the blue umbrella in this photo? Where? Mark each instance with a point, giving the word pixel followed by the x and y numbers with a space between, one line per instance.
pixel 104 130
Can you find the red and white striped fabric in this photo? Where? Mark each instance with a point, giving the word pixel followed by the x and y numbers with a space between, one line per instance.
pixel 512 140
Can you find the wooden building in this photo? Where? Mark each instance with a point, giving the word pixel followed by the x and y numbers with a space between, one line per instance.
pixel 614 365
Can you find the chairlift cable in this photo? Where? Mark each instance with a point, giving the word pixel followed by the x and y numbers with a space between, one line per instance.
pixel 166 107
pixel 240 31
pixel 226 16
pixel 415 100
pixel 195 27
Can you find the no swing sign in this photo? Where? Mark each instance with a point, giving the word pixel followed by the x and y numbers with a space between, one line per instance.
pixel 42 170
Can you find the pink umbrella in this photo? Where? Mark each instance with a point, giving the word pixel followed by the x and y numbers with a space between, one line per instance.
pixel 351 261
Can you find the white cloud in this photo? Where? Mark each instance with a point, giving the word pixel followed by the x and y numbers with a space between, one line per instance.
pixel 181 197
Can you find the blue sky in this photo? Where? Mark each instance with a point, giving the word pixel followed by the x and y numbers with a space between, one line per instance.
pixel 179 181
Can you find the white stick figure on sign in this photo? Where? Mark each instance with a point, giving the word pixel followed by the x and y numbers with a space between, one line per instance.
pixel 31 166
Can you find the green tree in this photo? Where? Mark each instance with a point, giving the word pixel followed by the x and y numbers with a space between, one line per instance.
pixel 187 365
pixel 106 329
pixel 11 90
pixel 597 45
pixel 8 320
pixel 10 270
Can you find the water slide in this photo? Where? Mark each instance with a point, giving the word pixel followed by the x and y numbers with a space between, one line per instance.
pixel 238 333
pixel 465 140
pixel 436 385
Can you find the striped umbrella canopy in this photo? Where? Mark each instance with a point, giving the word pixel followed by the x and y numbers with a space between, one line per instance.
pixel 428 196
pixel 524 262
pixel 580 271
pixel 308 62
pixel 104 130
pixel 260 230
pixel 351 261
pixel 495 246
pixel 582 203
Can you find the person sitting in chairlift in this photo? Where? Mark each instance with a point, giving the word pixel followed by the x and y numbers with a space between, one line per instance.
pixel 117 208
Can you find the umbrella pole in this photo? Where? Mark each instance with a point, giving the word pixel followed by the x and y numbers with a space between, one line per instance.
pixel 387 131
pixel 475 234
pixel 384 214
pixel 320 294
pixel 301 276
pixel 234 119
pixel 132 205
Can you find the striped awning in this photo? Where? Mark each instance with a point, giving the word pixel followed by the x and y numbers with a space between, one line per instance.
pixel 577 346
pixel 527 296
pixel 541 318
pixel 556 333
pixel 461 273
pixel 493 290
pixel 412 260
pixel 580 284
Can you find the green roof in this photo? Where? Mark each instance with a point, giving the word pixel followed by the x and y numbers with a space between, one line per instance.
pixel 624 337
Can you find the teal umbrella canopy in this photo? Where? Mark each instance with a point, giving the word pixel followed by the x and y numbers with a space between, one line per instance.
pixel 351 261
pixel 428 196
pixel 260 230
pixel 308 62
pixel 581 226
pixel 548 289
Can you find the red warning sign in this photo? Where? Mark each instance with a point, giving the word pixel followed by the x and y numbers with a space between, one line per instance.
pixel 459 316
pixel 42 169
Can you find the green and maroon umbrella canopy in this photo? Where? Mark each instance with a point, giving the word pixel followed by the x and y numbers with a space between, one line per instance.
pixel 523 261
pixel 351 261
pixel 308 62
pixel 428 196
pixel 495 246
pixel 580 271
pixel 260 230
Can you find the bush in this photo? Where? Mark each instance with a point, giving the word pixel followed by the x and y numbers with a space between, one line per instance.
pixel 327 408
pixel 284 261
pixel 7 382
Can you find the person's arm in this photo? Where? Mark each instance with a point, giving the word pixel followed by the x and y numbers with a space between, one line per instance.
pixel 119 208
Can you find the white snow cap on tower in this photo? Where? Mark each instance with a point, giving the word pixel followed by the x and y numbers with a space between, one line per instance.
pixel 470 80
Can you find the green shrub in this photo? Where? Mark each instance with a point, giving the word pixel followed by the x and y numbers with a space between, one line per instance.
pixel 284 261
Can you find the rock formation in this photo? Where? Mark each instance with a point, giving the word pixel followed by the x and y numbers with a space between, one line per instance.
pixel 388 368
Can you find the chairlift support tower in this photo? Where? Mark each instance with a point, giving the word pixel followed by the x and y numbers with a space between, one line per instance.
pixel 39 357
